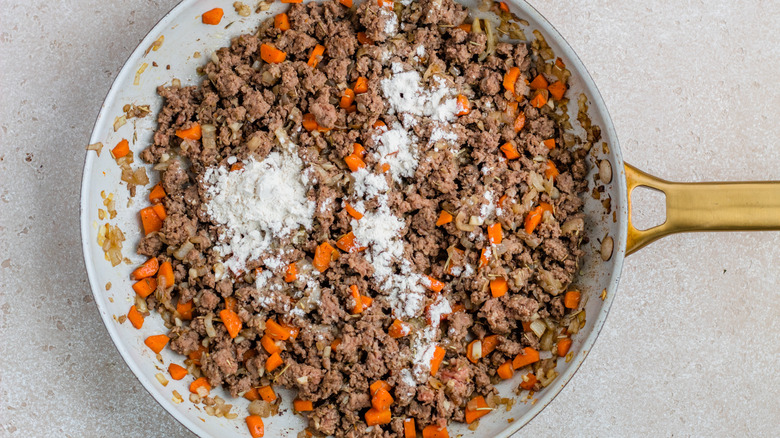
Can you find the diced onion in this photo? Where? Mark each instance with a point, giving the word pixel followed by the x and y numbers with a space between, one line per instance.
pixel 209 325
pixel 538 327
pixel 476 350
pixel 183 250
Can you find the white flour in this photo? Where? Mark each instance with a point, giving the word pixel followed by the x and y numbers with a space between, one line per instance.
pixel 424 343
pixel 266 200
pixel 405 94
pixel 379 231
pixel 398 148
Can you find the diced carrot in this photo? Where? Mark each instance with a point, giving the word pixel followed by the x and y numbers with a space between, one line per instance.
pixel 387 4
pixel 409 429
pixel 376 386
pixel 346 3
pixel 184 310
pixel 484 258
pixel 563 346
pixel 503 6
pixel 255 425
pixel 269 344
pixel 278 331
pixel 352 108
pixel 335 344
pixel 510 78
pixel 510 152
pixel 367 301
pixel 385 167
pixel 444 218
pixel 157 194
pixel 526 326
pixel 361 85
pixel 352 212
pixel 232 322
pixel 557 90
pixel 267 393
pixel 273 362
pixel 498 287
pixel 303 405
pixel 465 27
pixel 476 408
pixel 438 357
pixel 462 105
pixel 323 256
pixel 549 143
pixel 382 400
pixel 358 150
pixel 309 123
pixel 495 235
pixel 519 122
pixel 150 221
pixel 195 356
pixel 539 83
pixel 534 217
pixel 489 344
pixel 435 431
pixel 539 99
pixel 252 395
pixel 236 166
pixel 551 172
pixel 135 317
pixel 213 16
pixel 571 299
pixel 291 274
pixel 121 149
pixel 358 306
pixel 159 209
pixel 375 417
pixel 316 55
pixel 348 243
pixel 200 382
pixel 399 329
pixel 506 370
pixel 379 124
pixel 501 200
pixel 282 21
pixel 347 97
pixel 364 39
pixel 354 162
pixel 559 63
pixel 527 357
pixel 529 381
pixel 177 371
pixel 292 1
pixel 145 287
pixel 165 276
pixel 156 342
pixel 271 54
pixel 435 285
pixel 192 133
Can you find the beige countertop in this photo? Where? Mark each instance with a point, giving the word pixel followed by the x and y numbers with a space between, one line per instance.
pixel 691 347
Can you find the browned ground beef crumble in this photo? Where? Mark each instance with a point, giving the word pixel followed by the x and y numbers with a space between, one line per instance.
pixel 261 97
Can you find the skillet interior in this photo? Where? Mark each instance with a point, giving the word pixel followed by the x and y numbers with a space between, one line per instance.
pixel 185 35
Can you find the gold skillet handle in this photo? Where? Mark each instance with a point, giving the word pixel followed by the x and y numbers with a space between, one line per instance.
pixel 722 206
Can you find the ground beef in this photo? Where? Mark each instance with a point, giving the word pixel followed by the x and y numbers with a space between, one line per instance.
pixel 336 355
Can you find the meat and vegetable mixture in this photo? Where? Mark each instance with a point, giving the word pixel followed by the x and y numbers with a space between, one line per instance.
pixel 375 206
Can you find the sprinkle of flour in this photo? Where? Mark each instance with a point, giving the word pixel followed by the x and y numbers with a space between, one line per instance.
pixel 424 343
pixel 264 201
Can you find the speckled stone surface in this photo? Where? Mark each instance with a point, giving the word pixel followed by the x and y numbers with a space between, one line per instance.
pixel 691 346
